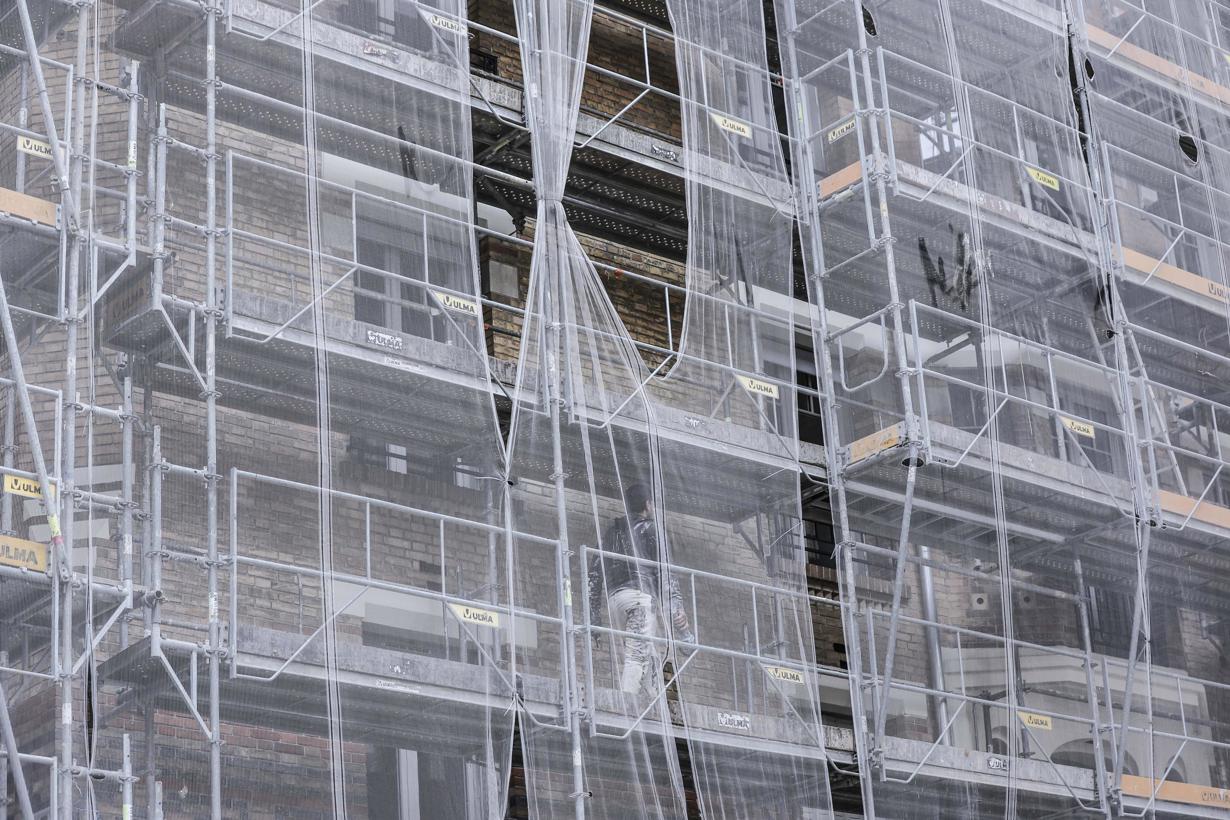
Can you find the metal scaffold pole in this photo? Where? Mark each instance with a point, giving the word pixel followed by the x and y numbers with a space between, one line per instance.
pixel 878 176
pixel 152 553
pixel 61 557
pixel 556 296
pixel 212 313
pixel 13 758
pixel 79 246
pixel 49 118
pixel 68 172
pixel 807 205
pixel 1102 194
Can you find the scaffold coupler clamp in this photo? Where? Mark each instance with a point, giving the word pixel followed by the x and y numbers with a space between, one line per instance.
pixel 1114 796
pixel 875 761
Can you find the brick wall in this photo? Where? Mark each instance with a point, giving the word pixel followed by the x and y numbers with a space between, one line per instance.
pixel 614 45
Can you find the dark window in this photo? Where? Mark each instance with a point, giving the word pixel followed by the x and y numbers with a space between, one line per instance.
pixel 819 542
pixel 1110 620
pixel 811 423
pixel 395 300
pixel 807 400
pixel 1110 624
pixel 968 404
pixel 406 784
pixel 404 459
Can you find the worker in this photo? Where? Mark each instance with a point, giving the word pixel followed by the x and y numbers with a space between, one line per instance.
pixel 633 589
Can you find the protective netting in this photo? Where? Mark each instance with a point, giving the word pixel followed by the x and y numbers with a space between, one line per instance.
pixel 745 672
pixel 1166 182
pixel 264 549
pixel 999 443
pixel 400 649
pixel 583 474
pixel 66 559
pixel 307 496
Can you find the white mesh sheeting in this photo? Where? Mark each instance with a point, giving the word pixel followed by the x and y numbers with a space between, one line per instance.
pixel 733 512
pixel 582 442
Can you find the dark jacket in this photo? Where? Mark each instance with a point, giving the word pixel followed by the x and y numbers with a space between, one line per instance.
pixel 638 540
pixel 609 573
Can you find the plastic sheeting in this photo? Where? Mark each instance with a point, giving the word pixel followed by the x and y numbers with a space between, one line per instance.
pixel 290 566
pixel 1166 181
pixel 399 651
pixel 583 470
pixel 997 420
pixel 315 491
pixel 748 688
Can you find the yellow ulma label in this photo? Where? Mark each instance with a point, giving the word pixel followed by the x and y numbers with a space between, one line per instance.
pixel 29 145
pixel 759 388
pixel 1035 721
pixel 1080 428
pixel 476 616
pixel 1043 178
pixel 19 485
pixel 742 129
pixel 785 674
pixel 456 303
pixel 840 131
pixel 17 552
pixel 446 24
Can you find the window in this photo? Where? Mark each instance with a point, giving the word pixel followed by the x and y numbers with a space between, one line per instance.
pixel 1219 493
pixel 395 459
pixel 404 253
pixel 744 91
pixel 1221 26
pixel 811 419
pixel 1110 624
pixel 391 457
pixel 1110 620
pixel 819 542
pixel 390 301
pixel 807 402
pixel 968 404
pixel 403 459
pixel 938 147
pixel 405 784
pixel 393 20
pixel 369 16
pixel 1080 753
pixel 1050 160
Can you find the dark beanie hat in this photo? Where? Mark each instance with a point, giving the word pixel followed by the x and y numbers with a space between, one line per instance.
pixel 636 496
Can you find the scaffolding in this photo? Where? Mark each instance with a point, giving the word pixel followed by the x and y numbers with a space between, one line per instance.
pixel 1009 435
pixel 416 409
